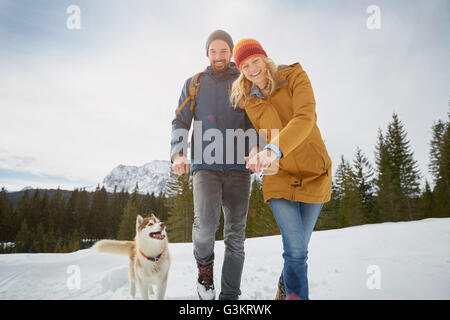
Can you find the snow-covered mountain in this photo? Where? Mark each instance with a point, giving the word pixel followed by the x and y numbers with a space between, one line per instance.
pixel 151 177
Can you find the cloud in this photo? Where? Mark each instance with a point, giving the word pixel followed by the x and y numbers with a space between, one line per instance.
pixel 12 162
pixel 15 180
pixel 19 171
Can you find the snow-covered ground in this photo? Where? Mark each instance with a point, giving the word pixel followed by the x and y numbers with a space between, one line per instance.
pixel 402 260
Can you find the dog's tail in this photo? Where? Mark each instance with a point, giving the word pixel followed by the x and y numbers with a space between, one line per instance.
pixel 123 248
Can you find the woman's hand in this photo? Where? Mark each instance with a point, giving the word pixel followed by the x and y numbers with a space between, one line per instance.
pixel 261 160
pixel 253 152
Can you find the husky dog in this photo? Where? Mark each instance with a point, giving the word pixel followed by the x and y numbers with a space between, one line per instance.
pixel 149 256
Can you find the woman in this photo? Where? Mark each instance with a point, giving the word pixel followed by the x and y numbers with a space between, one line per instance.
pixel 281 99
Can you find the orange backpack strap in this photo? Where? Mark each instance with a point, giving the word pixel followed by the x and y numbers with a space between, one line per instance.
pixel 194 87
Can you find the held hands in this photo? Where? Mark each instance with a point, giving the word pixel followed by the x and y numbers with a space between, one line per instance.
pixel 256 161
pixel 259 161
pixel 180 164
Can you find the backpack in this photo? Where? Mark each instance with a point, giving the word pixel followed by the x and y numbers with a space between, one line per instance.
pixel 194 87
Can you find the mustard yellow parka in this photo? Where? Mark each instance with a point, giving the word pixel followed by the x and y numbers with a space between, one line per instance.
pixel 304 172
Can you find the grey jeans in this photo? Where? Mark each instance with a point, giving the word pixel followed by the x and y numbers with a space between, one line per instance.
pixel 229 190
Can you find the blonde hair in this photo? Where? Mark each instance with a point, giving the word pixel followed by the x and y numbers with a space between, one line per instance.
pixel 240 91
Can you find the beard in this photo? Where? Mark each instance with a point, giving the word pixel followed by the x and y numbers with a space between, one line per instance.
pixel 221 69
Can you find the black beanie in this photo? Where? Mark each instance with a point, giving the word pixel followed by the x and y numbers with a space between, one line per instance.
pixel 219 35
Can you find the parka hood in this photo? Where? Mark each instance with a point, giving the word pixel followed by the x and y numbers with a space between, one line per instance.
pixel 287 70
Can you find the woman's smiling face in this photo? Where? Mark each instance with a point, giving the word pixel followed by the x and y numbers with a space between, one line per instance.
pixel 254 69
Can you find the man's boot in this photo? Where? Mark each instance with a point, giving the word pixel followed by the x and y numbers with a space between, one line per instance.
pixel 205 284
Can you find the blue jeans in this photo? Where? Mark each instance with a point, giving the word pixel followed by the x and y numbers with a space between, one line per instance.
pixel 296 221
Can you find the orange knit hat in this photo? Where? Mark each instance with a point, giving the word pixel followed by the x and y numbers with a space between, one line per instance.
pixel 247 48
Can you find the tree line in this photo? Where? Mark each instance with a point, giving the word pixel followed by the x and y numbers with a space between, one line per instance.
pixel 390 189
pixel 42 223
pixel 362 193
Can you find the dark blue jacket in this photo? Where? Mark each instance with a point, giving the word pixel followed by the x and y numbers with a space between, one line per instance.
pixel 214 111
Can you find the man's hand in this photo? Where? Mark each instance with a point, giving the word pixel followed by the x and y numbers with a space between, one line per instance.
pixel 180 164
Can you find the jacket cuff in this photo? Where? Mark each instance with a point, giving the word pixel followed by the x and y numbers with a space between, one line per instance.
pixel 275 149
pixel 177 149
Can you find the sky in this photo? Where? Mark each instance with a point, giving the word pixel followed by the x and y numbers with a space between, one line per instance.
pixel 76 103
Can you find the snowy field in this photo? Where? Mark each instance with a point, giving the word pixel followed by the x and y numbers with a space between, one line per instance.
pixel 402 260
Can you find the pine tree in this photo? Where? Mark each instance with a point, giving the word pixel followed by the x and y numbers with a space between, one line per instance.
pixel 116 207
pixel 260 221
pixel 363 175
pixel 49 242
pixel 398 177
pixel 161 206
pixel 147 205
pixel 181 208
pixel 445 173
pixel 6 217
pixel 44 213
pixel 38 236
pixel 82 213
pixel 406 175
pixel 135 197
pixel 24 241
pixel 34 215
pixel 74 244
pixel 437 142
pixel 56 210
pixel 427 202
pixel 99 215
pixel 23 210
pixel 328 218
pixel 127 227
pixel 69 218
pixel 59 247
pixel 440 167
pixel 385 199
pixel 65 248
pixel 350 210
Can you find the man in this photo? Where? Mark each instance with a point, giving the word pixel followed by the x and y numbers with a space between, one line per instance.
pixel 220 177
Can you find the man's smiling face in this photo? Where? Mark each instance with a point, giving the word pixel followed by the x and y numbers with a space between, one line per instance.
pixel 219 55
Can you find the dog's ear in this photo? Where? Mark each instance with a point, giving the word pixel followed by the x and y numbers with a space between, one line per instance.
pixel 153 216
pixel 139 220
